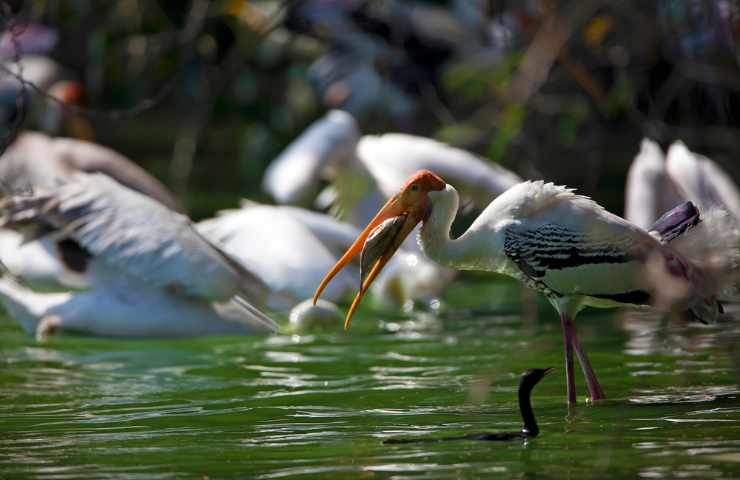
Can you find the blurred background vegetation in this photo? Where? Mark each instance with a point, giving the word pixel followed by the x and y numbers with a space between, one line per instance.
pixel 205 94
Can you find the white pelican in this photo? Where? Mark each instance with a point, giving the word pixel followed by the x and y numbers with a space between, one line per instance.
pixel 38 160
pixel 649 191
pixel 561 244
pixel 656 183
pixel 281 249
pixel 701 180
pixel 151 273
pixel 294 176
pixel 35 161
pixel 367 170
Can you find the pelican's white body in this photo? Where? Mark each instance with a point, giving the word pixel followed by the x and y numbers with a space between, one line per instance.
pixel 281 249
pixel 368 169
pixel 133 310
pixel 294 175
pixel 392 158
pixel 649 192
pixel 151 273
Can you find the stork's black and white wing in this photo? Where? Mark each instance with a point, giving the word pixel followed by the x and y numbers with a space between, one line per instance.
pixel 574 247
pixel 134 235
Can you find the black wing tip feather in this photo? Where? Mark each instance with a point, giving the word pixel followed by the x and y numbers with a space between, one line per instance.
pixel 676 222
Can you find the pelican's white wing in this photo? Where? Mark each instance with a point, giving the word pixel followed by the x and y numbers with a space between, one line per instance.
pixel 649 192
pixel 702 181
pixel 393 158
pixel 137 236
pixel 37 262
pixel 294 176
pixel 35 160
pixel 333 233
pixel 280 249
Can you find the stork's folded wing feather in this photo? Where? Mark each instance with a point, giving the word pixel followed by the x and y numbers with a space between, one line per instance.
pixel 602 257
pixel 138 236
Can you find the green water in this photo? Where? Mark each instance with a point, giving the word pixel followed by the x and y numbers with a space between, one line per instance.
pixel 320 405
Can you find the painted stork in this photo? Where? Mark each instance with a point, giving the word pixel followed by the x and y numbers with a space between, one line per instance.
pixel 151 273
pixel 47 115
pixel 561 244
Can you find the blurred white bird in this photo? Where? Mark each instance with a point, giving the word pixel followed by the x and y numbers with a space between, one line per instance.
pixel 151 272
pixel 293 177
pixel 656 183
pixel 649 191
pixel 368 170
pixel 281 249
pixel 37 161
pixel 701 180
pixel 44 113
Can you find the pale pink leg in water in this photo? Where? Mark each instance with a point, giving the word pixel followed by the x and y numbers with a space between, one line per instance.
pixel 594 389
pixel 568 347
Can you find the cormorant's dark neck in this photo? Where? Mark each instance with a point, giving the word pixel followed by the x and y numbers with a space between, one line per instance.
pixel 530 428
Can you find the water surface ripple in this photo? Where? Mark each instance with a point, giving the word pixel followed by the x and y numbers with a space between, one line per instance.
pixel 320 406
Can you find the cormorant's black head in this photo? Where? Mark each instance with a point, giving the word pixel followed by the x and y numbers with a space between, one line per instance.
pixel 531 377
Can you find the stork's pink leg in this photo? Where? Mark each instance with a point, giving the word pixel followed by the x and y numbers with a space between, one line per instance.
pixel 568 347
pixel 594 389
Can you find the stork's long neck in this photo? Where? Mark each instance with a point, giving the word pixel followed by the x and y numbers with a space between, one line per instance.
pixel 468 252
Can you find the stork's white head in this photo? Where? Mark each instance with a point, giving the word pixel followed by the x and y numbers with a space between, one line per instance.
pixel 387 230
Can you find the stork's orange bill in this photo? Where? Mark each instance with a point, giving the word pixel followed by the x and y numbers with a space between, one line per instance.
pixel 386 231
pixel 380 240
